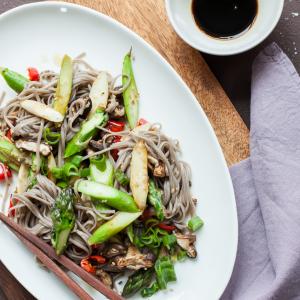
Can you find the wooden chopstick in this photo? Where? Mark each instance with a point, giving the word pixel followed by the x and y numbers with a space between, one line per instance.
pixel 63 260
pixel 52 266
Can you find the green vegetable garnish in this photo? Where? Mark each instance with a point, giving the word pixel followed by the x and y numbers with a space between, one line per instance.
pixel 130 233
pixel 155 198
pixel 137 281
pixel 14 80
pixel 32 179
pixel 99 162
pixel 119 222
pixel 152 237
pixel 108 195
pixel 102 170
pixel 63 218
pixel 169 241
pixel 131 94
pixel 181 255
pixel 121 177
pixel 43 164
pixel 75 160
pixel 87 131
pixel 165 272
pixel 62 184
pixel 11 155
pixel 51 138
pixel 195 223
pixel 85 172
pixel 150 291
pixel 64 86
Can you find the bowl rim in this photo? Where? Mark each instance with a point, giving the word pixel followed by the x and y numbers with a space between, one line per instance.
pixel 218 52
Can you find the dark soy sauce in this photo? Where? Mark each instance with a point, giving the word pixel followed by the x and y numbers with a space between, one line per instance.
pixel 224 19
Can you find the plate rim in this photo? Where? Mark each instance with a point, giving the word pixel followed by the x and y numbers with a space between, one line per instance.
pixel 112 21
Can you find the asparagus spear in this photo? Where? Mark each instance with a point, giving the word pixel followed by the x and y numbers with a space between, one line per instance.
pixel 139 174
pixel 131 94
pixel 137 281
pixel 99 93
pixel 11 155
pixel 120 221
pixel 87 131
pixel 64 86
pixel 63 218
pixel 14 80
pixel 154 198
pixel 108 195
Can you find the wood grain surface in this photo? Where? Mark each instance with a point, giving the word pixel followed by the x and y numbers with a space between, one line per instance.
pixel 148 19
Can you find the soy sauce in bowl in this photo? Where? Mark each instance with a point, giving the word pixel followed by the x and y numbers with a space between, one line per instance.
pixel 224 19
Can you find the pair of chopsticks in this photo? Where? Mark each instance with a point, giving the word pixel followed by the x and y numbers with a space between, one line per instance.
pixel 46 254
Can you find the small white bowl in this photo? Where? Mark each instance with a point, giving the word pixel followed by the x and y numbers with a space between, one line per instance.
pixel 182 20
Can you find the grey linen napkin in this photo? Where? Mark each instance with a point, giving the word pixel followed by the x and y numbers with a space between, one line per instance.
pixel 267 186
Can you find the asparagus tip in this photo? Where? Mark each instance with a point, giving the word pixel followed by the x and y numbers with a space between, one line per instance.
pixel 130 52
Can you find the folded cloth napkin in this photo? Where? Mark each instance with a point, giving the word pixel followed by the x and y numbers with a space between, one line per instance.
pixel 267 186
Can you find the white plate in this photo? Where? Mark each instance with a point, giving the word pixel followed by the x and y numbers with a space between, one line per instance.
pixel 35 35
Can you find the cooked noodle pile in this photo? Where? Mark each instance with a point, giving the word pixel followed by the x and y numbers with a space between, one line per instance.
pixel 177 197
pixel 32 211
pixel 32 208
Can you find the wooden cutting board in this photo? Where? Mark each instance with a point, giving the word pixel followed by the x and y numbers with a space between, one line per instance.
pixel 148 19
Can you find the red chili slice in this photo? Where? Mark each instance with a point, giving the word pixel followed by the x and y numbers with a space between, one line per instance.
pixel 166 227
pixel 87 266
pixel 9 134
pixel 115 152
pixel 33 74
pixel 115 126
pixel 5 172
pixel 98 258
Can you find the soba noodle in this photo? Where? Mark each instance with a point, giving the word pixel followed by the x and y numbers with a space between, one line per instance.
pixel 32 208
pixel 32 211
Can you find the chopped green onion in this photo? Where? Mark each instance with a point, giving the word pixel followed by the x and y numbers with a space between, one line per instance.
pixel 130 233
pixel 85 172
pixel 76 160
pixel 51 138
pixel 70 169
pixel 181 255
pixel 152 237
pixel 169 241
pixel 150 291
pixel 99 162
pixel 62 184
pixel 195 223
pixel 57 172
pixel 121 177
pixel 155 198
pixel 164 271
pixel 151 222
pixel 44 166
pixel 66 171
